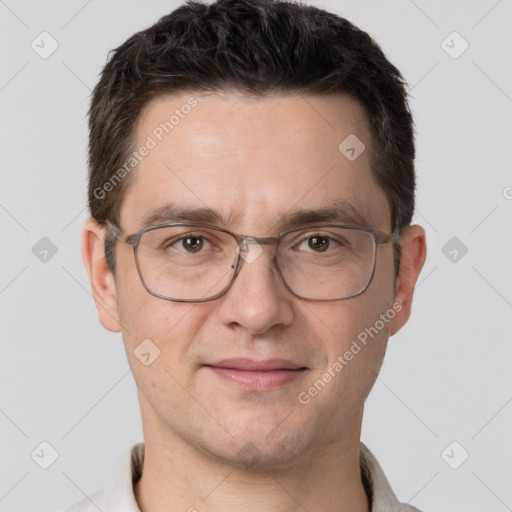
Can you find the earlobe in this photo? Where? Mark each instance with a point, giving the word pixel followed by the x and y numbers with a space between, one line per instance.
pixel 413 253
pixel 100 277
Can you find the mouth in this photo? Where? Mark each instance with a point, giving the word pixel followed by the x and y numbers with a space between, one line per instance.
pixel 255 375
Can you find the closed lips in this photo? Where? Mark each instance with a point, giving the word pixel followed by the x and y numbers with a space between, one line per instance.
pixel 254 365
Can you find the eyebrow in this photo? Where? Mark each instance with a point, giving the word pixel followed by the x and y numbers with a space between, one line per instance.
pixel 173 213
pixel 339 211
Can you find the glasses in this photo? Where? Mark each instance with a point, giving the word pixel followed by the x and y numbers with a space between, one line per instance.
pixel 198 263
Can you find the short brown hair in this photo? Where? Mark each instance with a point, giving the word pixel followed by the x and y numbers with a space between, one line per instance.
pixel 258 47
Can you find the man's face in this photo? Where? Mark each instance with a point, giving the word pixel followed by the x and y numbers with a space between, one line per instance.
pixel 254 161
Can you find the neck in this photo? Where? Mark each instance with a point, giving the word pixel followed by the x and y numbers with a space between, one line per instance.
pixel 181 477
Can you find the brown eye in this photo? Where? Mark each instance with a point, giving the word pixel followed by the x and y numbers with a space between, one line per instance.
pixel 318 243
pixel 192 243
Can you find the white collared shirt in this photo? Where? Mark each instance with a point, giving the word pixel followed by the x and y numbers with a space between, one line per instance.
pixel 121 497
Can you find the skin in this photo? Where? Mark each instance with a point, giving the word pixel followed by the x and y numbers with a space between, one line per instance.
pixel 253 160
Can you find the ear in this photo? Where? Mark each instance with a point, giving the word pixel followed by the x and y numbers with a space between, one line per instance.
pixel 100 277
pixel 413 251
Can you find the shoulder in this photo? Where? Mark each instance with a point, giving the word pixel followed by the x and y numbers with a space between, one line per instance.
pixel 377 486
pixel 121 495
pixel 405 507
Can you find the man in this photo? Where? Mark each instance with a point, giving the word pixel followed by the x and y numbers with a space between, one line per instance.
pixel 251 192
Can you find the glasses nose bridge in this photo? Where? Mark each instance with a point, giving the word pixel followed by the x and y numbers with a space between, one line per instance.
pixel 267 240
pixel 245 241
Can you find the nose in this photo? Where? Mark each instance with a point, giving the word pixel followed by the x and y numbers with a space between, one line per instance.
pixel 258 298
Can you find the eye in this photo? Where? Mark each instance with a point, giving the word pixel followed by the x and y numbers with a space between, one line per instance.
pixel 188 243
pixel 329 241
pixel 192 243
pixel 319 243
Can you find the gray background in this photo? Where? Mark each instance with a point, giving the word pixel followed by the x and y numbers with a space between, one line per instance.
pixel 447 377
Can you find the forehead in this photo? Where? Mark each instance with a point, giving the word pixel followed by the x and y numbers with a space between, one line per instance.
pixel 253 160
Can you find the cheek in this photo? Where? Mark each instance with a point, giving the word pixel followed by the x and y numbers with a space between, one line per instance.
pixel 357 328
pixel 354 353
pixel 142 315
pixel 353 334
pixel 362 318
pixel 170 326
pixel 156 336
pixel 157 333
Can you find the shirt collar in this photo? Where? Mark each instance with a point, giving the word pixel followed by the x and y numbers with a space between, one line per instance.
pixel 122 495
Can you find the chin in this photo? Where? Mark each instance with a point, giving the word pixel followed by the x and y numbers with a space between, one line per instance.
pixel 264 449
